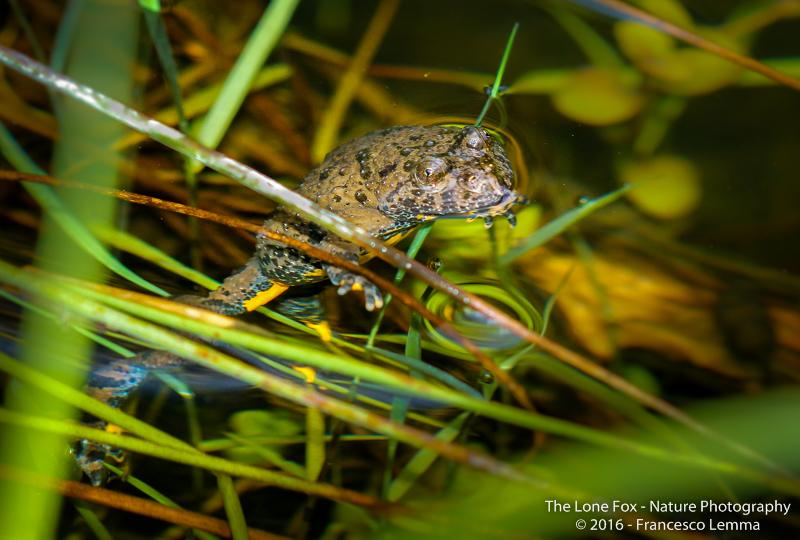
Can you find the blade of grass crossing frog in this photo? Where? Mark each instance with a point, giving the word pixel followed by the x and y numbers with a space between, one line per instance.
pixel 495 91
pixel 413 250
pixel 158 34
pixel 309 356
pixel 130 244
pixel 207 356
pixel 87 404
pixel 233 507
pixel 51 204
pixel 560 224
pixel 213 126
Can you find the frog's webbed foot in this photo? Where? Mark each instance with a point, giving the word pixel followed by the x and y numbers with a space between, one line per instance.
pixel 347 281
pixel 90 455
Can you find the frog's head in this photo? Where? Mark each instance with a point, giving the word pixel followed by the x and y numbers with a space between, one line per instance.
pixel 472 178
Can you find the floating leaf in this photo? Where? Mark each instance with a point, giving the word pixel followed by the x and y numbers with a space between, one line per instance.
pixel 650 50
pixel 665 187
pixel 275 423
pixel 682 71
pixel 598 97
pixel 669 10
pixel 706 72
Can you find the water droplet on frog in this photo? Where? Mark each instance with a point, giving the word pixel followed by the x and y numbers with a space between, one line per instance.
pixel 583 199
pixel 406 151
pixel 361 197
pixel 430 143
pixel 485 377
pixel 362 155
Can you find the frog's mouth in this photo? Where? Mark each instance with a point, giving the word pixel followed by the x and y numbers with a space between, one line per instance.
pixel 503 207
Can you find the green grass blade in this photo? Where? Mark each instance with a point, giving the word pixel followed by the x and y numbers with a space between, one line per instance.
pixel 158 34
pixel 265 36
pixel 233 507
pixel 129 243
pixel 498 78
pixel 560 224
pixel 93 522
pixel 413 249
pixel 61 294
pixel 315 443
pixel 422 460
pixel 49 201
pixel 192 458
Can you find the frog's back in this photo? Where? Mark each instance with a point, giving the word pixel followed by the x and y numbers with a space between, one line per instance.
pixel 355 173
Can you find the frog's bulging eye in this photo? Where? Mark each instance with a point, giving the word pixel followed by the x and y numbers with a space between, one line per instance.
pixel 474 138
pixel 430 173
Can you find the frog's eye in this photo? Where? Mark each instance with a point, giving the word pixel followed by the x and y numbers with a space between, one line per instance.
pixel 474 138
pixel 430 173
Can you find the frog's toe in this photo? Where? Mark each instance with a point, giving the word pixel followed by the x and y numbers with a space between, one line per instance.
pixel 89 456
pixel 373 299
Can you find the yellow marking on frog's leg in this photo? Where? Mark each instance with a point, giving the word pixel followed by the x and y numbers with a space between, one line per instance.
pixel 113 428
pixel 308 372
pixel 323 329
pixel 314 273
pixel 264 297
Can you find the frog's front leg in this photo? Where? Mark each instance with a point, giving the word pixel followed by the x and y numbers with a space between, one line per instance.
pixel 244 290
pixel 347 281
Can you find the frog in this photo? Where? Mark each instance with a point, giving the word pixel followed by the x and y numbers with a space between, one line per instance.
pixel 387 182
